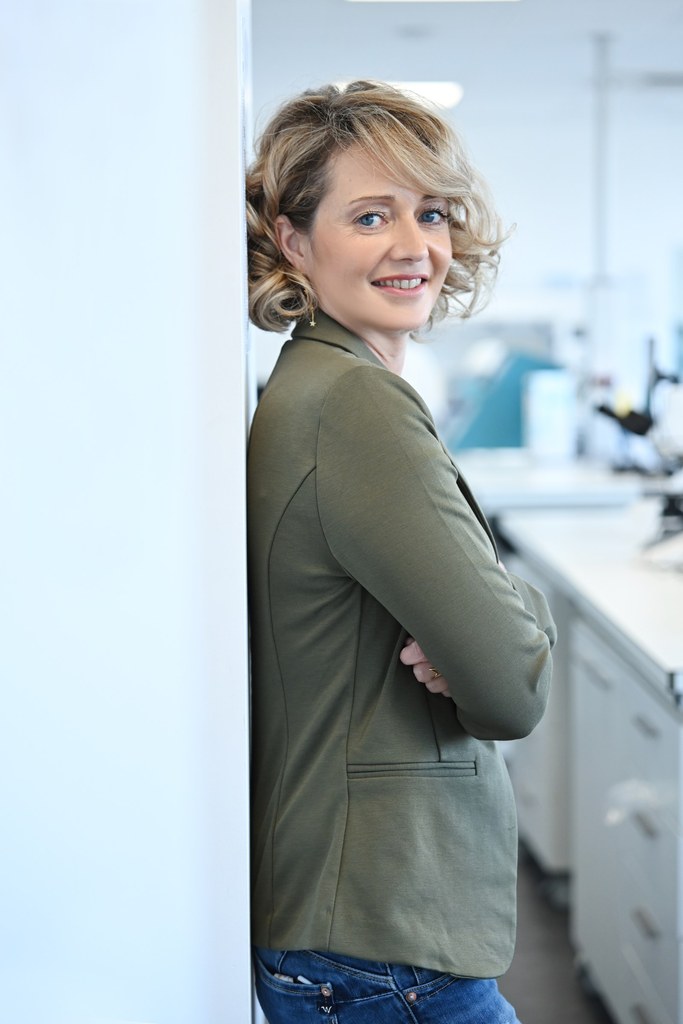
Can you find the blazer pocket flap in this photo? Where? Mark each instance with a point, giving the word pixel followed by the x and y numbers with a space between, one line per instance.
pixel 432 769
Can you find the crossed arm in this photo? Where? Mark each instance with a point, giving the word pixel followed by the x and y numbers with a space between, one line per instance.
pixel 423 670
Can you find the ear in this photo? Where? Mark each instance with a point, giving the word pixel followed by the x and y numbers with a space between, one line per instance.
pixel 293 243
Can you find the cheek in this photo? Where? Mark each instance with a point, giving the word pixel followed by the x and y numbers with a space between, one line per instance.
pixel 443 256
pixel 448 251
pixel 331 260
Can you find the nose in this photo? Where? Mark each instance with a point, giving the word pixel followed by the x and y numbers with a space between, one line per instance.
pixel 409 242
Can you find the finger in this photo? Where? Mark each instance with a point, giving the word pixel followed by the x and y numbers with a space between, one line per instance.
pixel 412 654
pixel 438 687
pixel 422 671
pixel 425 672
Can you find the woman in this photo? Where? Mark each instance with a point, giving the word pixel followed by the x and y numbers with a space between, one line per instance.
pixel 384 834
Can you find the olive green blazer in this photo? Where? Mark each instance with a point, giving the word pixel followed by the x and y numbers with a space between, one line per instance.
pixel 384 824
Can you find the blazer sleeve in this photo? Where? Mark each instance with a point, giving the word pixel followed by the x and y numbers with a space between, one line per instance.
pixel 397 522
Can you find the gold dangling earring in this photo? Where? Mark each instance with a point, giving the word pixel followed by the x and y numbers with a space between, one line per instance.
pixel 309 295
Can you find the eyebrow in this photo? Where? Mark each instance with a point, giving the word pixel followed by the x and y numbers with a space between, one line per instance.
pixel 371 199
pixel 387 198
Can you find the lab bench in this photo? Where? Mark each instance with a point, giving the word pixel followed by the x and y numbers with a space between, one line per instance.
pixel 599 783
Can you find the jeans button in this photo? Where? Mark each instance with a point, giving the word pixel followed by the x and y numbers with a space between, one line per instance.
pixel 411 997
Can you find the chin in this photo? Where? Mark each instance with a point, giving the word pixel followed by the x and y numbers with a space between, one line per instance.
pixel 414 324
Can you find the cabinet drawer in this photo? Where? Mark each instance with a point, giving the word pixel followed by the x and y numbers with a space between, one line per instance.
pixel 652 854
pixel 653 755
pixel 638 1002
pixel 593 661
pixel 651 946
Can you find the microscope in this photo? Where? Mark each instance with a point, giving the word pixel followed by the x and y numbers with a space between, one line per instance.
pixel 661 421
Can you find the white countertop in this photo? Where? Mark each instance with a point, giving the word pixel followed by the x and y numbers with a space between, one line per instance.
pixel 600 559
pixel 510 478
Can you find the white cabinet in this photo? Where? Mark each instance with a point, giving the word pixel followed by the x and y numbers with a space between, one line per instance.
pixel 626 757
pixel 539 763
pixel 617 732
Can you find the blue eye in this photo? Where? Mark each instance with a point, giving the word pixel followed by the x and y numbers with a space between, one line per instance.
pixel 369 219
pixel 433 216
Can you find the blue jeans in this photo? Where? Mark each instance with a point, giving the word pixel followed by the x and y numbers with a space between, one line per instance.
pixel 306 987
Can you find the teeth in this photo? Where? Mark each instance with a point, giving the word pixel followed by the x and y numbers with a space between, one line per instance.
pixel 404 283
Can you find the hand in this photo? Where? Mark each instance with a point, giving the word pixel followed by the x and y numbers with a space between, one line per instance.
pixel 423 670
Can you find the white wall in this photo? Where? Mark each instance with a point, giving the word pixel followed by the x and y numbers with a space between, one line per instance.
pixel 123 654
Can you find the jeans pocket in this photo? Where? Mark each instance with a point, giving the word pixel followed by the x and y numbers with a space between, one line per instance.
pixel 288 999
pixel 426 976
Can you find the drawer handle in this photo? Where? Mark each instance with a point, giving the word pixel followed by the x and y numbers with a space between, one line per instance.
pixel 585 662
pixel 646 824
pixel 599 680
pixel 646 922
pixel 640 1014
pixel 594 670
pixel 646 728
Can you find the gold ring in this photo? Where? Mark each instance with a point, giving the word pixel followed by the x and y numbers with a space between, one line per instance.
pixel 435 672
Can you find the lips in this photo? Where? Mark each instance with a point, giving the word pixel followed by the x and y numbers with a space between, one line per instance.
pixel 402 283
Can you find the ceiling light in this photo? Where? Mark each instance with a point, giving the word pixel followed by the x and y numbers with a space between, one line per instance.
pixel 444 94
pixel 431 1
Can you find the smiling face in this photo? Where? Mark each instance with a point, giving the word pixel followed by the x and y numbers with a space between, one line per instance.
pixel 377 254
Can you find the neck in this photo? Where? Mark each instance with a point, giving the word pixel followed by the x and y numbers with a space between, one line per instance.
pixel 390 351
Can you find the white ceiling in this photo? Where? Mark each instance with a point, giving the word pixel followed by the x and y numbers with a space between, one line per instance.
pixel 502 53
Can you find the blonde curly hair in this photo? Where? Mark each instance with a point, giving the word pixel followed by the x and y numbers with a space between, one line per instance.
pixel 290 175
